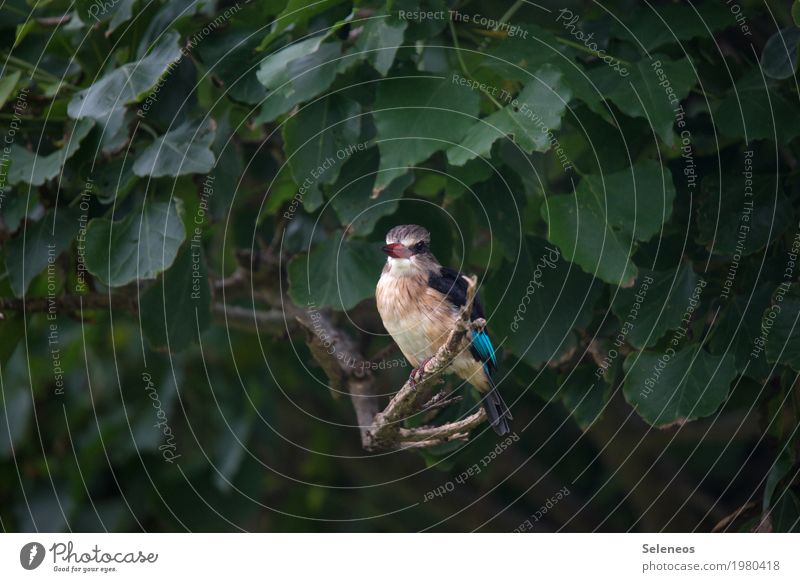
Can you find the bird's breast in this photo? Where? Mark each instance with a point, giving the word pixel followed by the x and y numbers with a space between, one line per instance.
pixel 416 316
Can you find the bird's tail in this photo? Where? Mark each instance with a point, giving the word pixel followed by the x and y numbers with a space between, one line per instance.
pixel 497 411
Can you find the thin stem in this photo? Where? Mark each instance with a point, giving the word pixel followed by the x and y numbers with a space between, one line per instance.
pixel 586 49
pixel 463 65
pixel 36 71
pixel 509 13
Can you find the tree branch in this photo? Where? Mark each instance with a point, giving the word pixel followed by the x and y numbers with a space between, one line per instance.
pixel 332 348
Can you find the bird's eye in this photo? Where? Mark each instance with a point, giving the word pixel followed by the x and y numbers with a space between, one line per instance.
pixel 419 247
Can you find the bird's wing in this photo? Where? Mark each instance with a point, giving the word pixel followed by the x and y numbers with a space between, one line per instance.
pixel 453 285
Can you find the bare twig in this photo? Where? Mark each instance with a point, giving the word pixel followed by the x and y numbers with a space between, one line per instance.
pixel 445 431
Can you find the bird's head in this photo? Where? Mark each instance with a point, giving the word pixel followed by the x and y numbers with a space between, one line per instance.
pixel 408 249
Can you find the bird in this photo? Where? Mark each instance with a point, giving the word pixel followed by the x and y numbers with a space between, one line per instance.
pixel 419 302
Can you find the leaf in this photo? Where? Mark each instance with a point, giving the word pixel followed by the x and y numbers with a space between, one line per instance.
pixel 675 387
pixel 781 323
pixel 17 205
pixel 38 245
pixel 140 246
pixel 352 197
pixel 653 26
pixel 116 12
pixel 780 469
pixel 296 14
pixel 530 119
pixel 338 273
pixel 114 180
pixel 738 329
pixel 8 83
pixel 644 93
pixel 16 397
pixel 534 304
pixel 655 305
pixel 184 150
pixel 796 12
pixel 178 306
pixel 596 228
pixel 231 57
pixel 584 396
pixel 736 220
pixel 317 140
pixel 779 57
pixel 123 11
pixel 126 84
pixel 754 111
pixel 297 73
pixel 416 117
pixel 380 40
pixel 34 169
pixel 500 205
pixel 786 513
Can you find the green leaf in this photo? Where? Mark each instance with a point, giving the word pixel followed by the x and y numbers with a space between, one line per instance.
pixel 739 328
pixel 754 111
pixel 733 220
pixel 18 205
pixel 184 150
pixel 644 93
pixel 338 273
pixel 596 228
pixel 296 14
pixel 178 306
pixel 779 58
pixel 231 58
pixel 500 205
pixel 140 246
pixel 783 322
pixel 534 304
pixel 7 86
pixel 352 197
pixel 34 169
pixel 16 397
pixel 38 245
pixel 796 12
pixel 655 305
pixel 417 117
pixel 318 139
pixel 380 39
pixel 114 180
pixel 653 26
pixel 780 469
pixel 675 387
pixel 297 73
pixel 584 396
pixel 115 12
pixel 530 120
pixel 126 84
pixel 786 513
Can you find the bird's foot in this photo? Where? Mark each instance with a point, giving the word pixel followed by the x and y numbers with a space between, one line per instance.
pixel 416 373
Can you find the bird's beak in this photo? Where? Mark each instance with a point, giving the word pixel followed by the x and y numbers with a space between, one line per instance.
pixel 396 251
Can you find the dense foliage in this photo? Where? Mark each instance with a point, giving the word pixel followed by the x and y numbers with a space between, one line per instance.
pixel 622 177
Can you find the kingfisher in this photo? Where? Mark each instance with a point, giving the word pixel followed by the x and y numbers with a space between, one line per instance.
pixel 419 302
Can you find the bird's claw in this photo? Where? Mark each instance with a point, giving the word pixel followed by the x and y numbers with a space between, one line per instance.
pixel 417 373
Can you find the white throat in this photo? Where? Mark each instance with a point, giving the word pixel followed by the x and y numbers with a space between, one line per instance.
pixel 400 267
